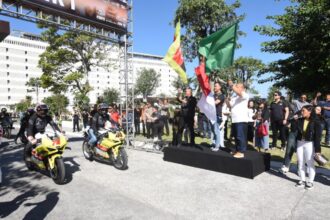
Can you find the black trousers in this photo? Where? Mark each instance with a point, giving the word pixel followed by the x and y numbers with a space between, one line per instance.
pixel 21 132
pixel 189 125
pixel 250 131
pixel 137 126
pixel 278 127
pixel 157 128
pixel 149 130
pixel 144 128
pixel 76 125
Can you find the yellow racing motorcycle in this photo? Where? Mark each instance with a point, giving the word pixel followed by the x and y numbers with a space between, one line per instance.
pixel 47 155
pixel 109 148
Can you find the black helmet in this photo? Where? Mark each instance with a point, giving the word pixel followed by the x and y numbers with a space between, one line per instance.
pixel 42 110
pixel 103 108
pixel 4 110
pixel 30 111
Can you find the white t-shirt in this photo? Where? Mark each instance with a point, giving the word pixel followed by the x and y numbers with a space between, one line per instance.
pixel 251 113
pixel 239 108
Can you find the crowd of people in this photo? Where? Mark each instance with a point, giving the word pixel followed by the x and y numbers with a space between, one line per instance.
pixel 297 123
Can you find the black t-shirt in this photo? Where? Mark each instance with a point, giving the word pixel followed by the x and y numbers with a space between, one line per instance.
pixel 218 107
pixel 188 109
pixel 277 111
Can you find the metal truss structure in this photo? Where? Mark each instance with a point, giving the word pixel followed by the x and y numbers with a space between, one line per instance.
pixel 17 10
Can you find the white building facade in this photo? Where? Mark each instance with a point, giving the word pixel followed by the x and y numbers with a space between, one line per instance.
pixel 19 57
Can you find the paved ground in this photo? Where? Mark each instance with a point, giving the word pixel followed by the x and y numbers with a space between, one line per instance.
pixel 152 189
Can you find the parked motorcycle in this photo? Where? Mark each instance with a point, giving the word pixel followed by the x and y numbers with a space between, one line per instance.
pixel 48 155
pixel 109 148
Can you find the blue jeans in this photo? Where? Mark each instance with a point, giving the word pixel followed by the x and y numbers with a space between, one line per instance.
pixel 216 132
pixel 92 138
pixel 262 141
pixel 291 147
pixel 206 129
pixel 327 129
pixel 241 136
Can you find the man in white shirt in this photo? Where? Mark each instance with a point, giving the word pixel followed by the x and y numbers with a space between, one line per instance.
pixel 239 117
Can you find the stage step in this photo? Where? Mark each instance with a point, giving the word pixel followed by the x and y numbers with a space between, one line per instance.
pixel 253 164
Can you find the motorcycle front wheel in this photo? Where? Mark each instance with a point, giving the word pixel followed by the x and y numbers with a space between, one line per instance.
pixel 87 151
pixel 7 132
pixel 27 157
pixel 121 161
pixel 58 173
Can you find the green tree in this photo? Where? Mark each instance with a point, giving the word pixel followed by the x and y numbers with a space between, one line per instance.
pixel 110 95
pixel 302 33
pixel 24 104
pixel 201 18
pixel 68 59
pixel 147 82
pixel 57 103
pixel 34 85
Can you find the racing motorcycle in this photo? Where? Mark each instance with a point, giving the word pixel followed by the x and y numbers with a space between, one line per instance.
pixel 109 147
pixel 47 155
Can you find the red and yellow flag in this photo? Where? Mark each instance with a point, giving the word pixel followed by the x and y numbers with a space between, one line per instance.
pixel 174 56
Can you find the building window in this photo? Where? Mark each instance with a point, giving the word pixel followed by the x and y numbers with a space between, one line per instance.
pixel 9 97
pixel 25 52
pixel 26 60
pixel 26 67
pixel 8 89
pixel 7 65
pixel 7 73
pixel 27 75
pixel 8 81
pixel 7 57
pixel 7 49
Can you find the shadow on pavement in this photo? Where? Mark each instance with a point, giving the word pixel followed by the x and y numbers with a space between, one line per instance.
pixel 43 208
pixel 6 208
pixel 71 166
pixel 18 180
pixel 75 139
pixel 322 174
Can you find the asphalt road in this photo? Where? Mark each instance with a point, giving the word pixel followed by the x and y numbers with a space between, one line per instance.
pixel 152 189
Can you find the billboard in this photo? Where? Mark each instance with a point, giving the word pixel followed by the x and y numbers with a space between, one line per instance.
pixel 106 13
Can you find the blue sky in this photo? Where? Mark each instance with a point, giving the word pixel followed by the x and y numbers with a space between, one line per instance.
pixel 153 33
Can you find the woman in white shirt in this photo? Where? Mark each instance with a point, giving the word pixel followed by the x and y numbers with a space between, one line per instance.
pixel 251 122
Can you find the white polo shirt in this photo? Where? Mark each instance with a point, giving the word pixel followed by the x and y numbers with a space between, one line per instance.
pixel 239 108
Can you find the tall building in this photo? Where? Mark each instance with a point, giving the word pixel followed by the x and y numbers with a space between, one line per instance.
pixel 19 57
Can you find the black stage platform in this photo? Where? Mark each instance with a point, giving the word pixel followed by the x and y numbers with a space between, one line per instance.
pixel 222 161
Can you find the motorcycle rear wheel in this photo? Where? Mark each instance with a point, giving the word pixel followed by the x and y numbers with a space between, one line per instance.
pixel 87 151
pixel 121 161
pixel 58 173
